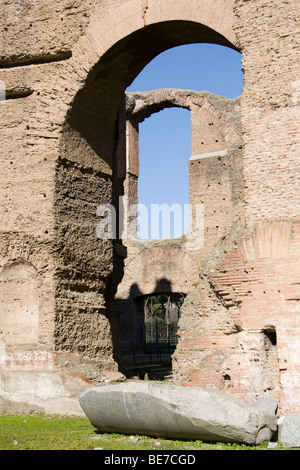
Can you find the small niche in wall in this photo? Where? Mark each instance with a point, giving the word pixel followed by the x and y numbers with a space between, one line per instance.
pixel 226 381
pixel 271 336
pixel 19 303
pixel 272 376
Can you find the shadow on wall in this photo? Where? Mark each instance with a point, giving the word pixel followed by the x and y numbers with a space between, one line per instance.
pixel 162 285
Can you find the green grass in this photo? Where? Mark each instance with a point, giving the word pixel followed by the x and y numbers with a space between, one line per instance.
pixel 47 432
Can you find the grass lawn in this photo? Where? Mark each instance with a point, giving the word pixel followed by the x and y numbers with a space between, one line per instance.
pixel 47 432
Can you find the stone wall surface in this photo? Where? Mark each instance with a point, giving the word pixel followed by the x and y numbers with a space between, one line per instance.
pixel 65 66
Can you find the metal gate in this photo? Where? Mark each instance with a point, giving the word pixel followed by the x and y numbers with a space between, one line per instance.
pixel 162 312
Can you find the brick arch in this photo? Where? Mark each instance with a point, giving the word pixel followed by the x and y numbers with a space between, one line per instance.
pixel 141 105
pixel 111 23
pixel 119 41
pixel 147 28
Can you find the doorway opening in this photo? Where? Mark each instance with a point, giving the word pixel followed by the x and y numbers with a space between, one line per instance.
pixel 162 313
pixel 155 320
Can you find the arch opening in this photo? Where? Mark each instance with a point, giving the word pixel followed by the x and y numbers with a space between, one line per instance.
pixel 89 173
pixel 165 143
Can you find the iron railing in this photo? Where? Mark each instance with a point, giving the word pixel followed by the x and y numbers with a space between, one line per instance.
pixel 161 336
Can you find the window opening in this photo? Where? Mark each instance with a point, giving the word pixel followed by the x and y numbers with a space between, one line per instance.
pixel 163 185
pixel 199 67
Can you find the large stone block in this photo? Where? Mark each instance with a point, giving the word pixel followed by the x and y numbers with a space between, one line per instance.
pixel 176 412
pixel 289 431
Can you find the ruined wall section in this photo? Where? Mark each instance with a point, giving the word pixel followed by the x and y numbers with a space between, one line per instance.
pixel 48 180
pixel 253 274
pixel 215 164
pixel 29 147
pixel 26 299
pixel 84 183
pixel 63 65
pixel 49 54
pixel 269 37
pixel 215 186
pixel 216 168
pixel 240 326
pixel 216 181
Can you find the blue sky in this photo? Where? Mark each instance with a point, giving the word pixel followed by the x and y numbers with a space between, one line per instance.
pixel 165 137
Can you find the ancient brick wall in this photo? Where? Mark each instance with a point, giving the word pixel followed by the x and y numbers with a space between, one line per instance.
pixel 269 41
pixel 65 67
pixel 250 345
